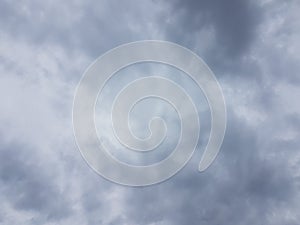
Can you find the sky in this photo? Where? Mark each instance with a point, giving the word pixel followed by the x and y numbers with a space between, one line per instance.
pixel 253 49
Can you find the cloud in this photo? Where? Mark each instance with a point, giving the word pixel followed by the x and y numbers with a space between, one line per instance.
pixel 251 46
pixel 91 28
pixel 28 188
pixel 242 186
pixel 222 32
pixel 234 22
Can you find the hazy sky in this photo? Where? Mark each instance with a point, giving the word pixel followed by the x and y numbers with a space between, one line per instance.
pixel 254 50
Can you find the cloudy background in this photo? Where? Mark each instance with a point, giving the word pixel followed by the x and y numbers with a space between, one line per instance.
pixel 254 50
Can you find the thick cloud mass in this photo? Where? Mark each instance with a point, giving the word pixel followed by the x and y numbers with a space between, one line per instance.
pixel 233 22
pixel 253 48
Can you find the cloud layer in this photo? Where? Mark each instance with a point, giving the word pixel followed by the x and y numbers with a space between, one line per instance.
pixel 253 48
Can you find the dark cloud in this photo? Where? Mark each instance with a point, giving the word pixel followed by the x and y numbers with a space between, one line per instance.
pixel 243 187
pixel 29 185
pixel 234 22
pixel 222 32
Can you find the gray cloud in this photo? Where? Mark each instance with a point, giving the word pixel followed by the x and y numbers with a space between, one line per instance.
pixel 253 47
pixel 234 22
pixel 92 27
pixel 222 32
pixel 28 187
pixel 244 187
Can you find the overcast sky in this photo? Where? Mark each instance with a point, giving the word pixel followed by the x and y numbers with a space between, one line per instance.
pixel 254 50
